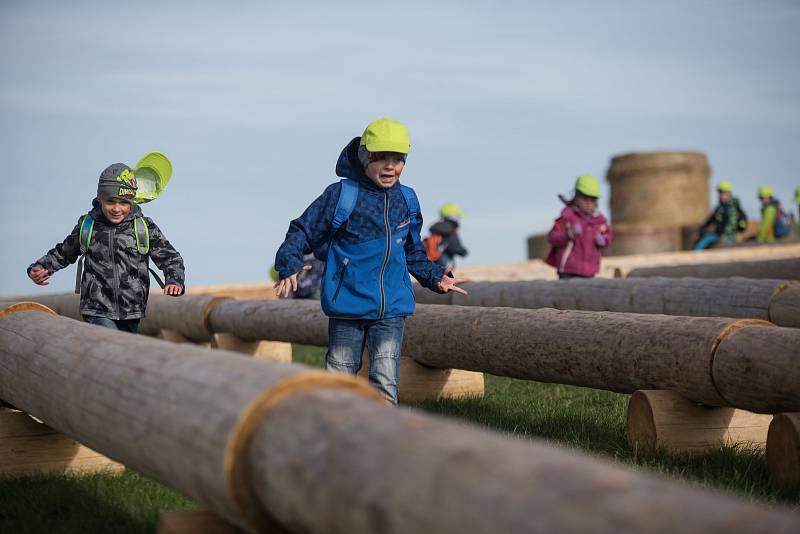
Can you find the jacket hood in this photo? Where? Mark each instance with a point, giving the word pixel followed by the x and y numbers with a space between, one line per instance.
pixel 444 227
pixel 97 212
pixel 573 211
pixel 348 166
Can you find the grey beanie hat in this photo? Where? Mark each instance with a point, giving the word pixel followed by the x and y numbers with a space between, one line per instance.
pixel 117 180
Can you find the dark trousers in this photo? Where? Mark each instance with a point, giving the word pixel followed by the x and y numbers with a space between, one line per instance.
pixel 127 325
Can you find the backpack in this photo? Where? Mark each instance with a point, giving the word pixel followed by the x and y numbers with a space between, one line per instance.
pixel 347 202
pixel 434 246
pixel 782 223
pixel 85 239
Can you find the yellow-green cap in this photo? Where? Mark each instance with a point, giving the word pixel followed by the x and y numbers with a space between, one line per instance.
pixel 588 185
pixel 450 210
pixel 386 135
pixel 152 174
pixel 797 195
pixel 273 274
pixel 725 187
pixel 764 191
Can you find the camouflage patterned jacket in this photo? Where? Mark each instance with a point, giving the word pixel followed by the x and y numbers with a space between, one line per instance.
pixel 115 282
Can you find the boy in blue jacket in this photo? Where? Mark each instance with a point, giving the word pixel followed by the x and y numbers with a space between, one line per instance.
pixel 367 230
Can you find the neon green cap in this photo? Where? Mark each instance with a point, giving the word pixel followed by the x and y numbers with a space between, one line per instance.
pixel 797 195
pixel 450 211
pixel 588 185
pixel 386 135
pixel 764 191
pixel 726 187
pixel 152 174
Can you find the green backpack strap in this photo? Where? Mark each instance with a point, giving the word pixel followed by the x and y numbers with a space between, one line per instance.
pixel 142 234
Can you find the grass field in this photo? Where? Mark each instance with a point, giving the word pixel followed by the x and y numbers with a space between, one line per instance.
pixel 587 419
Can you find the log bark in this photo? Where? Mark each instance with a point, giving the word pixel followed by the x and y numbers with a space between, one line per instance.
pixel 323 459
pixel 268 350
pixel 605 350
pixel 665 421
pixel 775 300
pixel 783 449
pixel 782 269
pixel 186 315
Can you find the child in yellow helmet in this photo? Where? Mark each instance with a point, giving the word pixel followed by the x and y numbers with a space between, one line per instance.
pixel 774 221
pixel 579 233
pixel 444 244
pixel 725 222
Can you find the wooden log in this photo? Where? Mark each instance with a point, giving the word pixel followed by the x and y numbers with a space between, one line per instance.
pixel 254 290
pixel 665 421
pixel 268 350
pixel 784 306
pixel 419 383
pixel 265 444
pixel 775 300
pixel 28 447
pixel 757 366
pixel 783 449
pixel 185 315
pixel 194 522
pixel 605 350
pixel 783 269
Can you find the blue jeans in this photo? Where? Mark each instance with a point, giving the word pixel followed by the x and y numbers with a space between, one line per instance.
pixel 127 325
pixel 384 339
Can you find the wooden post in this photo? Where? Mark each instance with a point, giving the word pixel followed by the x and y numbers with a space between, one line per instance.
pixel 781 269
pixel 276 351
pixel 265 444
pixel 28 447
pixel 420 383
pixel 665 421
pixel 783 449
pixel 194 522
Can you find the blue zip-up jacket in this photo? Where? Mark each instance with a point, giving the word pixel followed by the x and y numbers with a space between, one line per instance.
pixel 368 260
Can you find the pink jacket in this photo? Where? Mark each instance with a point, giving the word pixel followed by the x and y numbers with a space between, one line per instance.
pixel 575 241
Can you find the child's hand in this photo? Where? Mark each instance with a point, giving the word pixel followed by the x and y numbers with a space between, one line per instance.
pixel 600 240
pixel 173 290
pixel 39 275
pixel 289 283
pixel 450 284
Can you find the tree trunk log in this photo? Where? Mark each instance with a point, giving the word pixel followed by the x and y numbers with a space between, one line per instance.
pixel 276 351
pixel 783 449
pixel 186 315
pixel 605 350
pixel 321 459
pixel 783 269
pixel 665 421
pixel 745 298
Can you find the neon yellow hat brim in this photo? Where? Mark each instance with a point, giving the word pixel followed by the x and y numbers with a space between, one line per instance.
pixel 152 173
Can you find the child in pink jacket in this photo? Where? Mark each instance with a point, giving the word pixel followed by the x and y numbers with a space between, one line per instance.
pixel 579 233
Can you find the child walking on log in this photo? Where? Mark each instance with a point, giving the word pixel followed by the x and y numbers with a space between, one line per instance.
pixel 116 241
pixel 367 229
pixel 579 233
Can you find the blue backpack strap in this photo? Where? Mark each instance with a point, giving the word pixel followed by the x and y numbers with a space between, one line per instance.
pixel 347 201
pixel 85 233
pixel 413 210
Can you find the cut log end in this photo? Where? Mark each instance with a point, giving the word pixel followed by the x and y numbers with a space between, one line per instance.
pixel 26 306
pixel 783 449
pixel 665 421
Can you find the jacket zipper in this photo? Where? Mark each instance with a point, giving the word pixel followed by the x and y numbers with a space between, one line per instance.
pixel 345 263
pixel 388 249
pixel 111 240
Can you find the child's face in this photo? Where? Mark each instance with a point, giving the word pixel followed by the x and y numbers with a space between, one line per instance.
pixel 724 197
pixel 586 204
pixel 115 209
pixel 384 168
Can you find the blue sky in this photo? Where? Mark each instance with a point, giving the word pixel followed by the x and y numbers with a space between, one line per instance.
pixel 505 102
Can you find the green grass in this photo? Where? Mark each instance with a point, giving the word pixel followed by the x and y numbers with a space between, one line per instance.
pixel 590 420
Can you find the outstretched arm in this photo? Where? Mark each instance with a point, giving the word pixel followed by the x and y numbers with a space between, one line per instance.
pixel 60 256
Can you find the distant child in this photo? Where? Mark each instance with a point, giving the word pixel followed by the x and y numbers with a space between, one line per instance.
pixel 443 245
pixel 579 233
pixel 726 221
pixel 117 241
pixel 367 228
pixel 775 222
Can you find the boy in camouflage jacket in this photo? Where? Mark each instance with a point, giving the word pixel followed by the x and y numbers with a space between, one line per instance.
pixel 116 282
